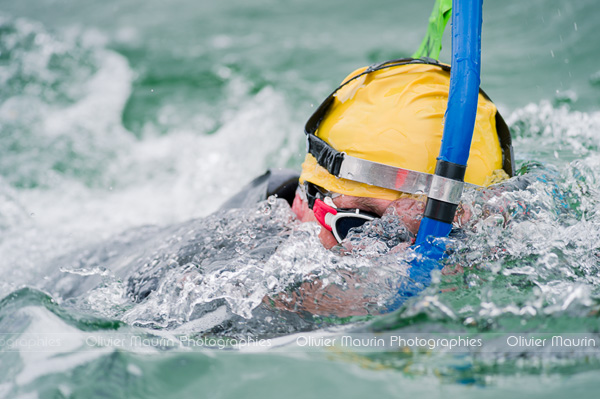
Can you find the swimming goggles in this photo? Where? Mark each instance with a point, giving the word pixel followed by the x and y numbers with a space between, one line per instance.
pixel 337 220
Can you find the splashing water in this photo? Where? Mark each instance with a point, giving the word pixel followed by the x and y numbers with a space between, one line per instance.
pixel 238 258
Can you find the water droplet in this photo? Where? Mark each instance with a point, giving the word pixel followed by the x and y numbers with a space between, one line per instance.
pixel 470 321
pixel 134 370
pixel 550 260
pixel 272 282
pixel 32 214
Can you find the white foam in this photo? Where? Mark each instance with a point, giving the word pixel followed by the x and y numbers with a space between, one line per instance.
pixel 156 180
pixel 549 133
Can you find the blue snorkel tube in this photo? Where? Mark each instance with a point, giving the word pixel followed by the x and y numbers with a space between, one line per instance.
pixel 450 170
pixel 447 185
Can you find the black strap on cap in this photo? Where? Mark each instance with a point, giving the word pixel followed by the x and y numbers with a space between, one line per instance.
pixel 508 155
pixel 326 155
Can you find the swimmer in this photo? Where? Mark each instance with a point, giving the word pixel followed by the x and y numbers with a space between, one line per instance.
pixel 372 146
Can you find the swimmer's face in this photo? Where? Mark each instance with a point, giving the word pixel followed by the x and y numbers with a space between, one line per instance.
pixel 408 210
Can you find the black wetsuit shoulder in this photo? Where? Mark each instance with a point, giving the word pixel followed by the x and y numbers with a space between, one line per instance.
pixel 279 182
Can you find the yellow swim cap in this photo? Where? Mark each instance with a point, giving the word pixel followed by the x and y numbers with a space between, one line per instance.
pixel 395 116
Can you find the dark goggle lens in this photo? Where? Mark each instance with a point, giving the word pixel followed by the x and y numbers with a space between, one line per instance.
pixel 344 224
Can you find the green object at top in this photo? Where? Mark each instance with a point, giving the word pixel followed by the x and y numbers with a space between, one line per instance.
pixel 432 43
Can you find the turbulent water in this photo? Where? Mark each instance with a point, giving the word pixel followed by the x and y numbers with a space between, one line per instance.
pixel 124 125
